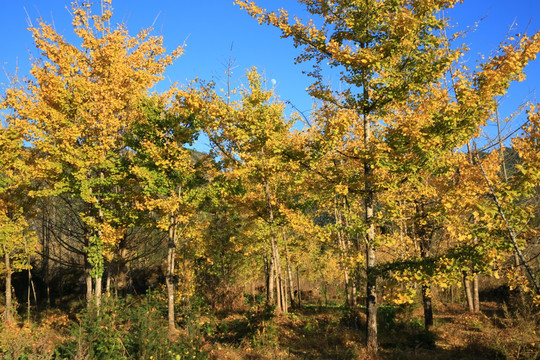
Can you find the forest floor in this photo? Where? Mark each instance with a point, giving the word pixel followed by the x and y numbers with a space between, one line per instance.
pixel 257 333
pixel 318 332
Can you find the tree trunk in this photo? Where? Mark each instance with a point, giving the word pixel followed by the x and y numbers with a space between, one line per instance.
pixel 468 293
pixel 501 147
pixel 88 279
pixel 45 237
pixel 281 306
pixel 354 294
pixel 325 289
pixel 169 279
pixel 98 289
pixel 283 290
pixel 422 227
pixel 298 292
pixel 98 281
pixel 371 278
pixel 270 280
pixel 289 274
pixel 284 293
pixel 277 279
pixel 29 289
pixel 428 309
pixel 348 290
pixel 9 304
pixel 371 300
pixel 476 295
pixel 121 268
pixel 108 281
pixel 342 253
pixel 280 290
pixel 428 306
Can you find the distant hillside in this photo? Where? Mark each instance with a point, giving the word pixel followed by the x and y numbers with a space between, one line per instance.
pixel 197 155
pixel 511 159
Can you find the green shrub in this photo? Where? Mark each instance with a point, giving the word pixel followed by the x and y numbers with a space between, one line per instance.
pixel 131 328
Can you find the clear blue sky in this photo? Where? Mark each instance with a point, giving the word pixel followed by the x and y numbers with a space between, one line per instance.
pixel 211 27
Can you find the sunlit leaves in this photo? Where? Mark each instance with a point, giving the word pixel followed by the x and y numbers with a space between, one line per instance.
pixel 79 103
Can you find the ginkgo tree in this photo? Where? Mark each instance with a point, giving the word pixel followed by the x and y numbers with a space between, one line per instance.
pixel 392 55
pixel 426 135
pixel 165 174
pixel 385 51
pixel 519 218
pixel 76 106
pixel 247 135
pixel 17 240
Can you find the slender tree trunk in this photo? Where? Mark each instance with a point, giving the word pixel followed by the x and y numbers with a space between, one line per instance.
pixel 281 306
pixel 280 291
pixel 428 306
pixel 354 294
pixel 371 299
pixel 325 289
pixel 277 279
pixel 169 279
pixel 371 278
pixel 298 292
pixel 342 254
pixel 9 302
pixel 476 294
pixel 348 290
pixel 88 279
pixel 99 277
pixel 60 287
pixel 269 279
pixel 29 289
pixel 285 301
pixel 468 293
pixel 289 273
pixel 45 236
pixel 422 227
pixel 501 147
pixel 108 281
pixel 428 309
pixel 98 293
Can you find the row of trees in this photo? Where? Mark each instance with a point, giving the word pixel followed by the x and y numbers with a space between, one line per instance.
pixel 383 186
pixel 409 104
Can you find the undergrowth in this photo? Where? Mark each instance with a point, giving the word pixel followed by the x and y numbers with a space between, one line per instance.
pixel 136 328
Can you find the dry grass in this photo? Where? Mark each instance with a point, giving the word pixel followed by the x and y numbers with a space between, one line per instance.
pixel 324 333
pixel 331 333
